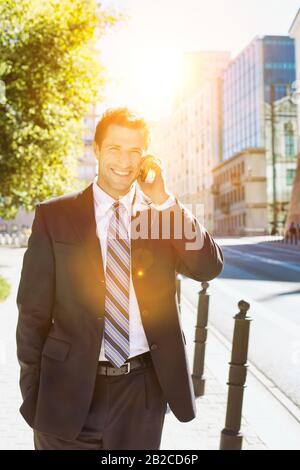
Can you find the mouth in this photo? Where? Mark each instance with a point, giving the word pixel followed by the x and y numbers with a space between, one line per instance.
pixel 120 173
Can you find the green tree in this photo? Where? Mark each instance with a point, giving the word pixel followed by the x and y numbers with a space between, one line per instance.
pixel 5 289
pixel 50 73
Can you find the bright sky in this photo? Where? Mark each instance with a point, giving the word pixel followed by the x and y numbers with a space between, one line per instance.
pixel 142 56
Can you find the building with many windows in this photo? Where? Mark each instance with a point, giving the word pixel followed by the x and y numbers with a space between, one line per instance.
pixel 258 113
pixel 248 80
pixel 240 188
pixel 189 143
pixel 197 68
pixel 294 212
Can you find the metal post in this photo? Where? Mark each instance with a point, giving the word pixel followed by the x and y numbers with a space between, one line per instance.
pixel 200 341
pixel 231 437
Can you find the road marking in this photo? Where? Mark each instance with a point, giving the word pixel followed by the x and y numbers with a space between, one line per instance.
pixel 262 258
pixel 279 248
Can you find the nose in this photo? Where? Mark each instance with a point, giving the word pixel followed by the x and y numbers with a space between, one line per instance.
pixel 124 161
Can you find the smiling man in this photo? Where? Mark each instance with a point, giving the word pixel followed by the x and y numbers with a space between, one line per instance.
pixel 99 336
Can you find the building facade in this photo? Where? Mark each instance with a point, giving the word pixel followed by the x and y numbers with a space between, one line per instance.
pixel 258 113
pixel 189 143
pixel 294 212
pixel 239 188
pixel 197 68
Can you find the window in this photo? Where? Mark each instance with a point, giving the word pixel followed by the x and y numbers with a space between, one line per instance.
pixel 290 175
pixel 289 141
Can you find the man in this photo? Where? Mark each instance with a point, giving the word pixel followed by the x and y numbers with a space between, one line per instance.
pixel 292 232
pixel 99 336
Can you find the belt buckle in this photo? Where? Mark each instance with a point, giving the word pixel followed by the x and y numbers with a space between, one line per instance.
pixel 128 368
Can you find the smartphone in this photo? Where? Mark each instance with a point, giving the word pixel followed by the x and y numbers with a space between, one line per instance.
pixel 147 174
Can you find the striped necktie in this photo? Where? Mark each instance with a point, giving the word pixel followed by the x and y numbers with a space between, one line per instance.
pixel 116 326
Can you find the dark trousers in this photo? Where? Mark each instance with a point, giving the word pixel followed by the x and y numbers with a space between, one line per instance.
pixel 127 412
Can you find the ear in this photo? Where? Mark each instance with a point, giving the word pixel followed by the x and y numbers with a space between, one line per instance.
pixel 95 148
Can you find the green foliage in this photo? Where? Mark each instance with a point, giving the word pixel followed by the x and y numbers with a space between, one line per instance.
pixel 50 72
pixel 4 289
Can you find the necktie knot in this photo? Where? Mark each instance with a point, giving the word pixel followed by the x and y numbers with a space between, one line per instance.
pixel 118 207
pixel 115 206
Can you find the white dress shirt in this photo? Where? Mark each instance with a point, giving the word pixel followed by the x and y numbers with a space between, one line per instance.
pixel 103 211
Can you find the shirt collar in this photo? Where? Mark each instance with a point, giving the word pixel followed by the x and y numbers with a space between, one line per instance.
pixel 104 201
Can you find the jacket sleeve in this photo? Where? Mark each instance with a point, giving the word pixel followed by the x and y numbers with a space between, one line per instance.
pixel 197 255
pixel 34 300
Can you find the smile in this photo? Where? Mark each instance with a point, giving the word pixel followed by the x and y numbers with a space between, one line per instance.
pixel 121 173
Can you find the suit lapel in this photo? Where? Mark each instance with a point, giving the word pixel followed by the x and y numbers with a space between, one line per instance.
pixel 85 226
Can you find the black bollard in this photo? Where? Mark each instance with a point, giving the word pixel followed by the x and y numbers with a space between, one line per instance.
pixel 200 341
pixel 231 437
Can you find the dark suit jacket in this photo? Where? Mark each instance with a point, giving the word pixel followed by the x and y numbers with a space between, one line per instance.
pixel 61 309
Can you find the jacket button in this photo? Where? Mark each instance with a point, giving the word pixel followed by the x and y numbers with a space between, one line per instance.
pixel 100 318
pixel 153 347
pixel 145 312
pixel 102 281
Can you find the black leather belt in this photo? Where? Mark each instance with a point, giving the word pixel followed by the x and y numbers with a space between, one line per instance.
pixel 106 368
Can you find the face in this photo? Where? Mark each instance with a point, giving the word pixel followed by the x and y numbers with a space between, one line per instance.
pixel 119 159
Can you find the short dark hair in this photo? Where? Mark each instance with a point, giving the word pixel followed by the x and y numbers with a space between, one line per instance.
pixel 124 117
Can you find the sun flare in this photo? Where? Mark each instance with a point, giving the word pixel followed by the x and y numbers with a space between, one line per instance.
pixel 149 80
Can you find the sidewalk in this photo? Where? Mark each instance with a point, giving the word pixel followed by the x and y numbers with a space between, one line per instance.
pixel 14 431
pixel 264 417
